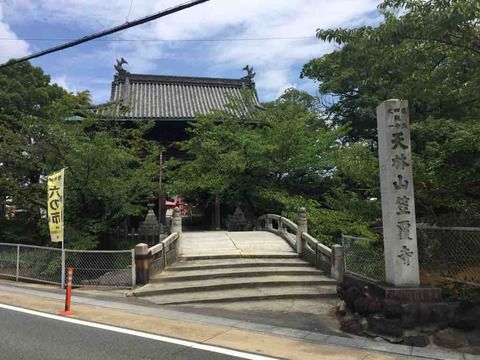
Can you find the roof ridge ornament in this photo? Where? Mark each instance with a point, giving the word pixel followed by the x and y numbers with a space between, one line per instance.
pixel 250 73
pixel 247 80
pixel 119 66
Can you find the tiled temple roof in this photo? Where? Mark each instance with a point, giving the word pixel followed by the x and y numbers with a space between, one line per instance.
pixel 158 97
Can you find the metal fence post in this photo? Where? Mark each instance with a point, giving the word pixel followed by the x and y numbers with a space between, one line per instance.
pixel 63 267
pixel 134 273
pixel 18 263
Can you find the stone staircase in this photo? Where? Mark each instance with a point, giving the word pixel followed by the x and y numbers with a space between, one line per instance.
pixel 234 278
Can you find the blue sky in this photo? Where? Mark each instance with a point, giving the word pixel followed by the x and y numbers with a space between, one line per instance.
pixel 90 66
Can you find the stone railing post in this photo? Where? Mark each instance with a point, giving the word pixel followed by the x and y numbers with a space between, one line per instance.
pixel 302 228
pixel 176 227
pixel 142 264
pixel 176 222
pixel 218 222
pixel 338 263
pixel 281 227
pixel 268 223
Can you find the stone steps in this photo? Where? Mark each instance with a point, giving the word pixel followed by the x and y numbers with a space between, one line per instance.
pixel 237 278
pixel 191 275
pixel 254 294
pixel 244 255
pixel 284 281
pixel 236 263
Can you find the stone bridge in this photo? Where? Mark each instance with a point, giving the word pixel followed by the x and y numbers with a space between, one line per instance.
pixel 278 261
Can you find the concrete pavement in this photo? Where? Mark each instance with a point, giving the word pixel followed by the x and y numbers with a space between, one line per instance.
pixel 218 243
pixel 237 334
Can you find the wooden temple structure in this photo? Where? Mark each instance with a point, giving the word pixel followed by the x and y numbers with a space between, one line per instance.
pixel 173 102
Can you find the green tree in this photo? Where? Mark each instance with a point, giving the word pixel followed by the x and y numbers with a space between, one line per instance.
pixel 27 101
pixel 106 182
pixel 429 53
pixel 224 154
pixel 424 51
pixel 275 160
pixel 111 169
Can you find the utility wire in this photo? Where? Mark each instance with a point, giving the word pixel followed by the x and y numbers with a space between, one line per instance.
pixel 170 40
pixel 110 31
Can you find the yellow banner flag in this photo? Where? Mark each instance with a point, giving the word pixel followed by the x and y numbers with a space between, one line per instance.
pixel 55 205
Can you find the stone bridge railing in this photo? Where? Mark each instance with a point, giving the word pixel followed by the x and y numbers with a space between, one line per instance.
pixel 330 260
pixel 152 260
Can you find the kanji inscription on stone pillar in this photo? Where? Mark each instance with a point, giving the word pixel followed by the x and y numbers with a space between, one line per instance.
pixel 398 204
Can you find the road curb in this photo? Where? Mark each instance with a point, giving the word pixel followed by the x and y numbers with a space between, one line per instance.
pixel 319 338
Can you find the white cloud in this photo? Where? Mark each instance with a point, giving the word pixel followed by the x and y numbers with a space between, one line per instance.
pixel 273 82
pixel 62 81
pixel 277 62
pixel 10 49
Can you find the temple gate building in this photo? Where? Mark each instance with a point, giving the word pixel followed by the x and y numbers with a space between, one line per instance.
pixel 171 101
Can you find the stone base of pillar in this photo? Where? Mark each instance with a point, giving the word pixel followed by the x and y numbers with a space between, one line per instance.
pixel 396 312
pixel 427 294
pixel 413 294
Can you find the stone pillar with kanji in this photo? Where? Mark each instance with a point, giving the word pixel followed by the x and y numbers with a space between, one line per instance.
pixel 398 204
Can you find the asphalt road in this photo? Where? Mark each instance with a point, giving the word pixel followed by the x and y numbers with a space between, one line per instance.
pixel 26 336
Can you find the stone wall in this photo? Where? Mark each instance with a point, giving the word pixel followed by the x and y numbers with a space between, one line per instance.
pixel 370 309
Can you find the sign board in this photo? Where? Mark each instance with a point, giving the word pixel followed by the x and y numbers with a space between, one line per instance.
pixel 55 205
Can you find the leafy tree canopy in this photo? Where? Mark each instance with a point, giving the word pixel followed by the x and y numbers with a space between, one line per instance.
pixel 427 52
pixel 110 169
pixel 275 160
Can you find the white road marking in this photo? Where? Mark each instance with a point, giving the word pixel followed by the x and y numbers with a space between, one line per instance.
pixel 166 339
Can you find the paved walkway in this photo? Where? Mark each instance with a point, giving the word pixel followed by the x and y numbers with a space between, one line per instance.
pixel 217 243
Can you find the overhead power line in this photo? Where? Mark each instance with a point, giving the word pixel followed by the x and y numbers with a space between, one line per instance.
pixel 170 40
pixel 110 31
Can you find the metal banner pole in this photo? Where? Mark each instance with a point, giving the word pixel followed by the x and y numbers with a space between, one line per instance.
pixel 63 266
pixel 63 231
